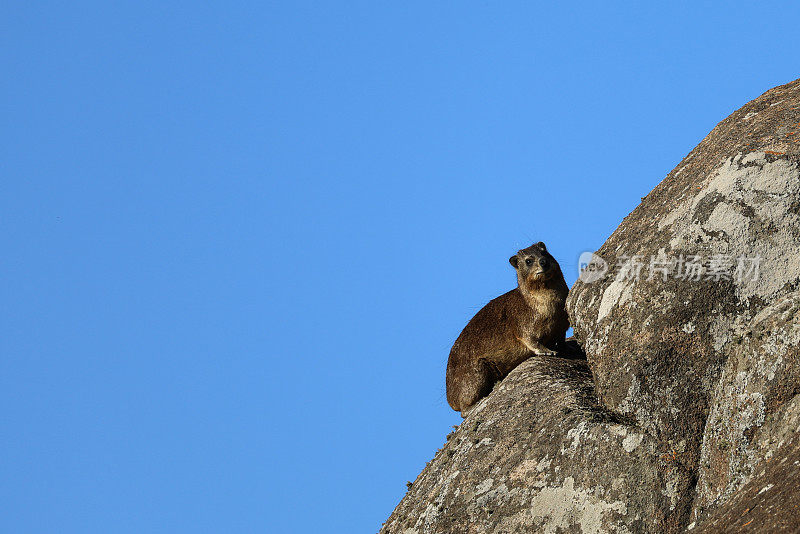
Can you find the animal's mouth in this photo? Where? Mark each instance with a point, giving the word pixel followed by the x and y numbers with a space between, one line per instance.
pixel 541 274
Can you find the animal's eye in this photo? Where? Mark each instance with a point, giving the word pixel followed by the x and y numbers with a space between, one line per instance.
pixel 529 262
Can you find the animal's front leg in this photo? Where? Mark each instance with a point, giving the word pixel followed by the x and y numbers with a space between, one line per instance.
pixel 537 348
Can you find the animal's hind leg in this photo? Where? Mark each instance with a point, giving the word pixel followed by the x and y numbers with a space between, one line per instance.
pixel 471 385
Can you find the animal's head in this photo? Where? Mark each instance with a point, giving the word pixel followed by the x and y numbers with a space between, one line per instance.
pixel 535 266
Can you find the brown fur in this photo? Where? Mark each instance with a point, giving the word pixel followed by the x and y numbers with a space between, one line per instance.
pixel 528 320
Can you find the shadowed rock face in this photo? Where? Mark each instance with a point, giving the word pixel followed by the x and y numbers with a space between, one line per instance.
pixel 701 375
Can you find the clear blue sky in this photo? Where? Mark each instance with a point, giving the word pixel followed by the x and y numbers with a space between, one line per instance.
pixel 239 238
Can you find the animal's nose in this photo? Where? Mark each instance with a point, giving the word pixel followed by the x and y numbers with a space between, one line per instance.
pixel 543 263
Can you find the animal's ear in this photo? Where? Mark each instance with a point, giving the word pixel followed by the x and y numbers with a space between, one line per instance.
pixel 513 261
pixel 541 246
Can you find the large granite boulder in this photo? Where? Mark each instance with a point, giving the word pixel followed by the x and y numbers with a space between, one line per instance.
pixel 690 272
pixel 687 406
pixel 540 455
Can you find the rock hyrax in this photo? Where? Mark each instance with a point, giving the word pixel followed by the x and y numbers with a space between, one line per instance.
pixel 528 320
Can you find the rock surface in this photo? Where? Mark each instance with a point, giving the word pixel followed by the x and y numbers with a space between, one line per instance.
pixel 768 502
pixel 691 339
pixel 528 458
pixel 755 407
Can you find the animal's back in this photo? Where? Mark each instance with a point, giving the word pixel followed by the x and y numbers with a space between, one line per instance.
pixel 489 332
pixel 487 349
